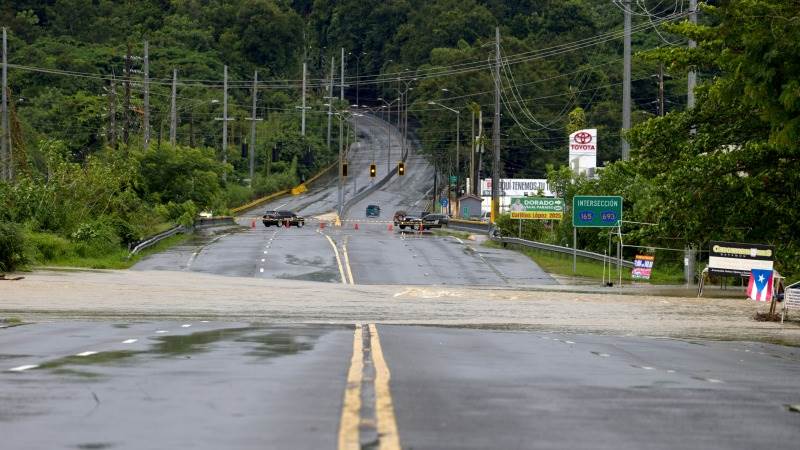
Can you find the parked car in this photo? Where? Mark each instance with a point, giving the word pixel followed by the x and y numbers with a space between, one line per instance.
pixel 282 217
pixel 373 211
pixel 438 219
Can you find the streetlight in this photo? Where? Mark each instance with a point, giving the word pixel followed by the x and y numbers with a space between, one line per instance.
pixel 458 142
pixel 387 106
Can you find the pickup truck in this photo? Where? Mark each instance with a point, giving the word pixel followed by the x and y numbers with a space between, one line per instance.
pixel 281 217
pixel 404 220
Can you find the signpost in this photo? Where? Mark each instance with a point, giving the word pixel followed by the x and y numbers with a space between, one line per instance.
pixel 537 208
pixel 595 211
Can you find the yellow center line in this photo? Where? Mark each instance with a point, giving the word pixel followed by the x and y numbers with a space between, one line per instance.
pixel 336 253
pixel 351 410
pixel 384 410
pixel 347 261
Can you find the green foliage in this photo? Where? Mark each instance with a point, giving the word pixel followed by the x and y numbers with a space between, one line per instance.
pixel 179 174
pixel 12 246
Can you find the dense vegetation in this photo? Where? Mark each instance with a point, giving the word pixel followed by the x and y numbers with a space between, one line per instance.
pixel 726 169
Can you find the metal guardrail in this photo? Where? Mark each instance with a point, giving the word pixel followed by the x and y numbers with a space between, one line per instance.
pixel 152 240
pixel 483 227
pixel 205 222
pixel 468 225
pixel 560 249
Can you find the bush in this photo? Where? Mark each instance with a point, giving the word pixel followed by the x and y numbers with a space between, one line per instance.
pixel 44 247
pixel 96 238
pixel 12 246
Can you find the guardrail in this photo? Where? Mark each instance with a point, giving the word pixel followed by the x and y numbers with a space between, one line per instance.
pixel 205 222
pixel 560 249
pixel 468 225
pixel 152 240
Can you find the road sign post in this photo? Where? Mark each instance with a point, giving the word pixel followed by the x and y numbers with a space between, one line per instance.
pixel 594 211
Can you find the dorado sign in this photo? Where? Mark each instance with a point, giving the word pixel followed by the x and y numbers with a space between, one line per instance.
pixel 583 150
pixel 539 208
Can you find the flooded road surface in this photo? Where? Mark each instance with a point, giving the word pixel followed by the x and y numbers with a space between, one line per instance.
pixel 213 385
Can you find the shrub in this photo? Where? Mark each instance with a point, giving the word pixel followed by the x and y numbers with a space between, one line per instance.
pixel 12 246
pixel 44 247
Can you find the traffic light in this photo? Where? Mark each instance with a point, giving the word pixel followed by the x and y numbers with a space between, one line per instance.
pixel 401 168
pixel 373 170
pixel 344 169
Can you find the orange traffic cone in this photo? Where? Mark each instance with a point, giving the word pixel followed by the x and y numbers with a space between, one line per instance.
pixel 253 223
pixel 389 227
pixel 355 227
pixel 321 225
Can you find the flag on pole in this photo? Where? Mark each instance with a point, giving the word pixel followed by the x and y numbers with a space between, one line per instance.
pixel 760 286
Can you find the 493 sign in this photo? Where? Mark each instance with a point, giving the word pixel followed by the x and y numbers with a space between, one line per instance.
pixel 596 211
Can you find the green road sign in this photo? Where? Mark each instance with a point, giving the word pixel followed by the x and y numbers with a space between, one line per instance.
pixel 537 208
pixel 596 211
pixel 453 180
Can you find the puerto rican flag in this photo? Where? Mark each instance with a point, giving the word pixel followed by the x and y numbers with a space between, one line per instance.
pixel 760 286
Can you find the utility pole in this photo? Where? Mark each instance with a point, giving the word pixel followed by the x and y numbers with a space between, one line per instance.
pixel 661 89
pixel 496 132
pixel 146 97
pixel 126 105
pixel 692 44
pixel 477 185
pixel 253 119
pixel 471 153
pixel 458 151
pixel 626 82
pixel 173 113
pixel 341 87
pixel 341 165
pixel 303 112
pixel 225 123
pixel 6 155
pixel 330 102
pixel 112 114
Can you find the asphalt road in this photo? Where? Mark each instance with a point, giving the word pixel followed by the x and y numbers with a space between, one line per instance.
pixel 198 385
pixel 363 250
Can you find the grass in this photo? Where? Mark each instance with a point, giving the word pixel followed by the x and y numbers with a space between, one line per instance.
pixel 68 256
pixel 561 264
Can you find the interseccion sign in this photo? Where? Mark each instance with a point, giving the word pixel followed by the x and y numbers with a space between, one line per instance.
pixel 596 211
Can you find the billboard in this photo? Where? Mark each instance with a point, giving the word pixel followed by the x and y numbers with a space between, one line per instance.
pixel 517 187
pixel 734 258
pixel 537 208
pixel 583 151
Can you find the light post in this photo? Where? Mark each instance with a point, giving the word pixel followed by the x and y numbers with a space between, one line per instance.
pixel 458 143
pixel 358 61
pixel 387 106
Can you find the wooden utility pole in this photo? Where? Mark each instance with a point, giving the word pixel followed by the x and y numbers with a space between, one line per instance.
pixel 496 133
pixel 126 106
pixel 7 154
pixel 146 118
pixel 303 107
pixel 173 111
pixel 330 102
pixel 112 114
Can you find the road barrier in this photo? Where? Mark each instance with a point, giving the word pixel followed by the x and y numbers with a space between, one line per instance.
pixel 483 227
pixel 153 240
pixel 207 222
pixel 299 189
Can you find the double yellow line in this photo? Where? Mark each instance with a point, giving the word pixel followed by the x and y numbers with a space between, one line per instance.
pixel 349 436
pixel 345 272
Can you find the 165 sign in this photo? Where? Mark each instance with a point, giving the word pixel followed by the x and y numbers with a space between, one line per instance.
pixel 596 211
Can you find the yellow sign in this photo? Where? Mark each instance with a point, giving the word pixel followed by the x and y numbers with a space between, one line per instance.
pixel 537 215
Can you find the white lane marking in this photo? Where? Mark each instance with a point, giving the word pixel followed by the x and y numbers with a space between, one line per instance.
pixel 265 252
pixel 204 321
pixel 670 371
pixel 186 325
pixel 713 380
pixel 191 260
pixel 162 331
pixel 23 368
pixel 261 270
pixel 129 341
pixel 568 342
pixel 647 368
pixel 89 353
pixel 263 259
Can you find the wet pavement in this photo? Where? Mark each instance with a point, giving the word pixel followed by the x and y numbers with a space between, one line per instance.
pixel 201 384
